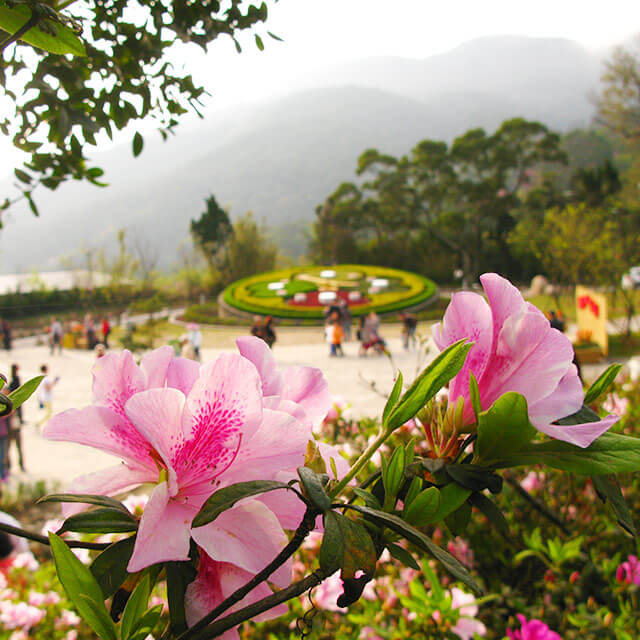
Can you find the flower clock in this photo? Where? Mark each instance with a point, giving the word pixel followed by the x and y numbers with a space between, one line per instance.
pixel 238 480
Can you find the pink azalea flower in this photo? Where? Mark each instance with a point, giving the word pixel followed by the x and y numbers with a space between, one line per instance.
pixel 460 549
pixel 629 571
pixel 467 626
pixel 532 630
pixel 191 429
pixel 615 404
pixel 533 481
pixel 326 594
pixel 516 350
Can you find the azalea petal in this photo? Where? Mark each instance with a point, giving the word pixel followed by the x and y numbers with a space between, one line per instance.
pixel 329 452
pixel 107 482
pixel 307 387
pixel 258 352
pixel 505 300
pixel 103 429
pixel 286 506
pixel 116 377
pixel 279 444
pixel 215 582
pixel 182 373
pixel 565 400
pixel 155 364
pixel 276 403
pixel 249 536
pixel 163 534
pixel 467 316
pixel 157 415
pixel 582 435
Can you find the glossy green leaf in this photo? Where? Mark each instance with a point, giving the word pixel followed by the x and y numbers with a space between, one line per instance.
pixel 110 567
pixel 420 540
pixel 393 476
pixel 332 547
pixel 452 497
pixel 585 414
pixel 147 623
pixel 444 367
pixel 491 511
pixel 392 400
pixel 25 391
pixel 369 499
pixel 136 608
pixel 100 520
pixel 458 520
pixel 314 489
pixel 602 384
pixel 610 453
pixel 82 589
pixel 23 176
pixel 474 395
pixel 504 428
pixel 85 498
pixel 403 556
pixel 609 492
pixel 226 497
pixel 422 508
pixel 65 40
pixel 259 42
pixel 474 478
pixel 138 143
pixel 179 576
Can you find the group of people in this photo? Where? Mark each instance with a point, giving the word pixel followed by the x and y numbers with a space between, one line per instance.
pixel 92 336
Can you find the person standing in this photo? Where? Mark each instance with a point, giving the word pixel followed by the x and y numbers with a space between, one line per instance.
pixel 409 325
pixel 347 319
pixel 56 336
pixel 16 421
pixel 336 335
pixel 45 395
pixel 106 330
pixel 269 332
pixel 6 335
pixel 257 330
pixel 195 336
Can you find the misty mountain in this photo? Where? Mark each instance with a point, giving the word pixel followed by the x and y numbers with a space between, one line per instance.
pixel 281 158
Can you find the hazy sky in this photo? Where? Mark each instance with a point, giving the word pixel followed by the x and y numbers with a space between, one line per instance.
pixel 321 33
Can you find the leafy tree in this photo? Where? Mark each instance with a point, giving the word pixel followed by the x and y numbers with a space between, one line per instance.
pixel 248 251
pixel 211 231
pixel 118 74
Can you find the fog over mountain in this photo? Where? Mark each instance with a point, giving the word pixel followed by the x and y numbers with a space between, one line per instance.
pixel 281 158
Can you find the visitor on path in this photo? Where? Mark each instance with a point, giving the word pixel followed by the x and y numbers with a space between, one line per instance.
pixel 257 329
pixel 369 336
pixel 335 335
pixel 556 321
pixel 45 395
pixel 345 313
pixel 409 325
pixel 269 332
pixel 16 422
pixel 187 350
pixel 4 446
pixel 55 339
pixel 195 336
pixel 6 335
pixel 106 330
pixel 90 332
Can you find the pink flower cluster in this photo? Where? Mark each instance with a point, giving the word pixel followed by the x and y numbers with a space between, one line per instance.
pixel 532 630
pixel 629 571
pixel 191 429
pixel 515 349
pixel 19 615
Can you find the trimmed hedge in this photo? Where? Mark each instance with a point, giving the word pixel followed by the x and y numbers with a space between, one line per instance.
pixel 239 294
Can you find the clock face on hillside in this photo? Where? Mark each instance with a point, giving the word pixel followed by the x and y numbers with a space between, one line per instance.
pixel 305 292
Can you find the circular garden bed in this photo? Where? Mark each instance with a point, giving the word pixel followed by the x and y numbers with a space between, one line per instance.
pixel 304 292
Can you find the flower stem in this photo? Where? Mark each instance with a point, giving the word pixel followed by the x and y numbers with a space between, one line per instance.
pixel 360 463
pixel 36 537
pixel 246 613
pixel 300 534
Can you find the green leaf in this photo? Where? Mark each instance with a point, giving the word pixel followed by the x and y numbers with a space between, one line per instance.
pixel 602 384
pixel 392 399
pixel 226 497
pixel 348 547
pixel 474 395
pixel 259 42
pixel 313 458
pixel 585 414
pixel 179 576
pixel 474 478
pixel 85 498
pixel 138 143
pixel 65 40
pixel 610 453
pixel 274 36
pixel 100 520
pixel 110 567
pixel 608 490
pixel 414 489
pixel 82 589
pixel 444 367
pixel 25 391
pixel 146 624
pixel 458 520
pixel 135 609
pixel 420 540
pixel 422 508
pixel 393 476
pixel 402 555
pixel 314 489
pixel 23 176
pixel 369 499
pixel 452 497
pixel 504 428
pixel 491 511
